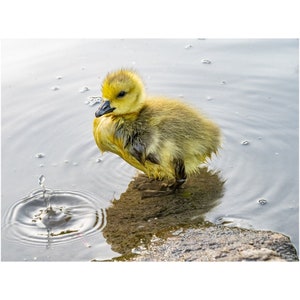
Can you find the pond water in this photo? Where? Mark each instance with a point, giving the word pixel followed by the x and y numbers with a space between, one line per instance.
pixel 249 87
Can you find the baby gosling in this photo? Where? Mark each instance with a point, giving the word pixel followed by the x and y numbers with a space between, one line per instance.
pixel 162 137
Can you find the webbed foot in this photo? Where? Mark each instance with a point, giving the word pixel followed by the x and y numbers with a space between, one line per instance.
pixel 165 189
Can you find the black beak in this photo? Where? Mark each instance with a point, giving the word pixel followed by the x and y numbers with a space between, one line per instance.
pixel 105 108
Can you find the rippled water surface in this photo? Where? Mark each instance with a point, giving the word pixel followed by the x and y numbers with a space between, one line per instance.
pixel 249 87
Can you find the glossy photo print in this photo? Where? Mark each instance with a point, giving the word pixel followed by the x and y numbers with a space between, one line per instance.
pixel 149 150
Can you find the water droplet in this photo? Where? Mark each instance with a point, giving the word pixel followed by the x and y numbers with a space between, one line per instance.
pixel 208 98
pixel 40 155
pixel 75 163
pixel 262 201
pixel 55 88
pixel 84 89
pixel 66 161
pixel 206 61
pixel 58 77
pixel 245 142
pixel 188 46
pixel 276 153
pixel 41 180
pixel 98 160
pixel 92 100
pixel 41 165
pixel 223 82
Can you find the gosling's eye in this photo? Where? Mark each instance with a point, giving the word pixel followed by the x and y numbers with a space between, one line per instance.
pixel 121 94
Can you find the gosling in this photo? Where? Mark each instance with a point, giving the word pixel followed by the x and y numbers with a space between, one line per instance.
pixel 164 138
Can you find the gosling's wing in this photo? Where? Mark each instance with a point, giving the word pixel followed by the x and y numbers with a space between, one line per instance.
pixel 137 146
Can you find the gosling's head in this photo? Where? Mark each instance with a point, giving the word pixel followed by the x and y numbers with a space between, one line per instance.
pixel 123 92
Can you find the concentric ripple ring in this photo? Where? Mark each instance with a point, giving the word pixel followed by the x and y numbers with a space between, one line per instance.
pixel 70 216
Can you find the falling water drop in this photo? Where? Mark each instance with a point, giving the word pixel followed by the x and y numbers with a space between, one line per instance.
pixel 41 181
pixel 46 199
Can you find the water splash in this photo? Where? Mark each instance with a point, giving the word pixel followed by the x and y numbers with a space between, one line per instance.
pixel 46 198
pixel 51 217
pixel 93 100
pixel 41 182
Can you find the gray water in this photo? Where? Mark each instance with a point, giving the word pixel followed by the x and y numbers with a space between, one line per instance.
pixel 249 87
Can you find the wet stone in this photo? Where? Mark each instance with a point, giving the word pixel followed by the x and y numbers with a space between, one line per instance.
pixel 236 245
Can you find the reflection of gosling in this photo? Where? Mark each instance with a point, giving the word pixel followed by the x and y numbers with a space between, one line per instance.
pixel 162 137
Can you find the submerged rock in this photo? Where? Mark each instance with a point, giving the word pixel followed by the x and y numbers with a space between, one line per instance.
pixel 142 226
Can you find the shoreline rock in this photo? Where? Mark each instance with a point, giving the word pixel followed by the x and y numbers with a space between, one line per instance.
pixel 220 243
pixel 172 227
